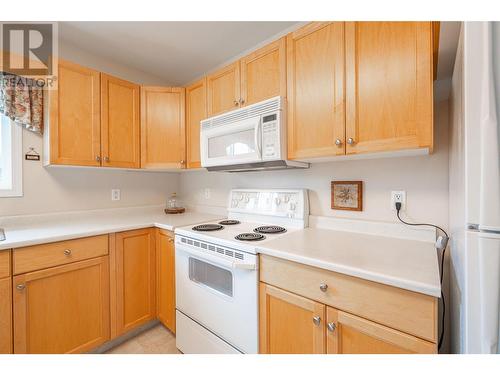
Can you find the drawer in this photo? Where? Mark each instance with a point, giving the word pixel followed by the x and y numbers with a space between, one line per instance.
pixel 32 258
pixel 406 311
pixel 4 263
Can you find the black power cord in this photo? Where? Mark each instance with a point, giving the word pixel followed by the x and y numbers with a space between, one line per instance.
pixel 398 209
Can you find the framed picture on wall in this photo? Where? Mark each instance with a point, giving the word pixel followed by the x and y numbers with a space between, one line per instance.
pixel 347 195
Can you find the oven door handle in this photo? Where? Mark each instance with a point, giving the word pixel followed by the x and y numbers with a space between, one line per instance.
pixel 216 259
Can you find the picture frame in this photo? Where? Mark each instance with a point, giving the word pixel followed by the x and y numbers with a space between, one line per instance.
pixel 347 195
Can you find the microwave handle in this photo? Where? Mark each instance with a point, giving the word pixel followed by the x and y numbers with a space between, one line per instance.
pixel 258 139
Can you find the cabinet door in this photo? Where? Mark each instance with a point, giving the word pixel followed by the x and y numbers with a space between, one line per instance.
pixel 134 273
pixel 388 86
pixel 290 324
pixel 75 133
pixel 62 309
pixel 165 287
pixel 263 73
pixel 162 127
pixel 316 106
pixel 120 126
pixel 223 89
pixel 196 110
pixel 5 316
pixel 350 334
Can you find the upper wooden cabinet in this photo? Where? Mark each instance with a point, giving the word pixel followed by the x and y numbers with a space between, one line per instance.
pixel 315 69
pixel 74 124
pixel 388 86
pixel 196 110
pixel 165 277
pixel 223 89
pixel 162 127
pixel 120 127
pixel 263 73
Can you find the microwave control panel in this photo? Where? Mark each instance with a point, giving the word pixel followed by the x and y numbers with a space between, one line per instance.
pixel 271 137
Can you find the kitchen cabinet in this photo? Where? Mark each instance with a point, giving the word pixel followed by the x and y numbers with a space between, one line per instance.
pixel 315 82
pixel 165 276
pixel 5 303
pixel 350 334
pixel 196 110
pixel 62 309
pixel 162 128
pixel 74 125
pixel 389 74
pixel 133 285
pixel 223 89
pixel 120 127
pixel 290 324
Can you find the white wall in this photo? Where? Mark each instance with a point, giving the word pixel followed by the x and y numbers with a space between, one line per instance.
pixel 425 179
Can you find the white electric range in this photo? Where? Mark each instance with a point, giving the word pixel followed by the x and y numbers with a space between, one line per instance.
pixel 216 269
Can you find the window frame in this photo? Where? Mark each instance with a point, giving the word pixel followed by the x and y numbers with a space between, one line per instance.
pixel 16 159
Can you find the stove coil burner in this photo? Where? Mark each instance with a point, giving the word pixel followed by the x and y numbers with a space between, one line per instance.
pixel 229 222
pixel 250 237
pixel 207 227
pixel 269 229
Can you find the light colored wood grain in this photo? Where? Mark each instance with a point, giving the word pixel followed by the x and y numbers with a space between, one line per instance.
pixel 113 288
pixel 74 119
pixel 135 278
pixel 436 28
pixel 263 73
pixel 406 311
pixel 4 263
pixel 315 82
pixel 196 110
pixel 223 89
pixel 165 277
pixel 162 127
pixel 32 258
pixel 62 309
pixel 355 335
pixel 5 316
pixel 388 86
pixel 286 323
pixel 120 123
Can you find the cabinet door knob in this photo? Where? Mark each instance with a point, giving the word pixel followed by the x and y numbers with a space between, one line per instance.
pixel 97 158
pixel 242 101
pixel 350 141
pixel 170 240
pixel 67 252
pixel 331 326
pixel 338 142
pixel 106 159
pixel 20 286
pixel 236 103
pixel 317 320
pixel 182 161
pixel 323 287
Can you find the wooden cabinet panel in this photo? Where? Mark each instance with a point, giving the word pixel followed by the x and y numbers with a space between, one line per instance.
pixel 120 127
pixel 32 258
pixel 4 263
pixel 223 89
pixel 135 282
pixel 5 316
pixel 388 86
pixel 350 334
pixel 74 126
pixel 196 110
pixel 287 323
pixel 316 106
pixel 162 127
pixel 263 73
pixel 62 309
pixel 165 276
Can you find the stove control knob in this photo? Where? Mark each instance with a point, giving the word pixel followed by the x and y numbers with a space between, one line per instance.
pixel 277 200
pixel 287 198
pixel 234 203
pixel 292 206
pixel 240 197
pixel 247 199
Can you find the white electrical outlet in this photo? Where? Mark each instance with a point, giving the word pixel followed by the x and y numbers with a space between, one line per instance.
pixel 207 193
pixel 398 196
pixel 115 194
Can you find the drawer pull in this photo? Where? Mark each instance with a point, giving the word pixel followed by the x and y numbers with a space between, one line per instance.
pixel 317 320
pixel 67 252
pixel 323 287
pixel 20 286
pixel 331 326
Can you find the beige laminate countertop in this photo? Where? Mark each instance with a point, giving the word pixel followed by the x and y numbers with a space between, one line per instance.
pixel 407 264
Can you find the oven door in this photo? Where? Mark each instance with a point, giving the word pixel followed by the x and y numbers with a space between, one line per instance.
pixel 219 295
pixel 235 143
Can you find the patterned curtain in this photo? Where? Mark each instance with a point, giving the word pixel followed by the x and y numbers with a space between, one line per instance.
pixel 21 99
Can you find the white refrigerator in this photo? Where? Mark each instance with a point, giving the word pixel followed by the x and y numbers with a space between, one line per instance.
pixel 475 190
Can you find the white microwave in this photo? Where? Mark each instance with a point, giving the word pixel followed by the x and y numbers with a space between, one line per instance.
pixel 246 139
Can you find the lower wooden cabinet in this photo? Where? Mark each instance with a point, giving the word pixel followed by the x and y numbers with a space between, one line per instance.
pixel 5 316
pixel 133 299
pixel 62 309
pixel 165 276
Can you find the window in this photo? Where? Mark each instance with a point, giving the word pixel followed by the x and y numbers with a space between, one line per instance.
pixel 10 158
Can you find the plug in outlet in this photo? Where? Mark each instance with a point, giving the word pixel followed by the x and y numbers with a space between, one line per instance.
pixel 115 194
pixel 398 196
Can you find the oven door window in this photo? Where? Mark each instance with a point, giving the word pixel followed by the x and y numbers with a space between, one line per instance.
pixel 211 276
